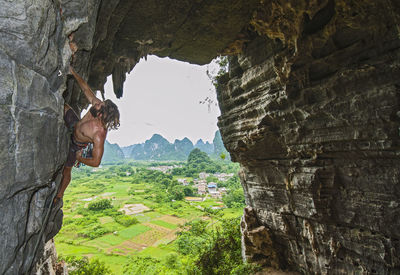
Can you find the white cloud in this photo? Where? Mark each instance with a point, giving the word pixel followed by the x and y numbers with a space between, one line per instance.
pixel 162 96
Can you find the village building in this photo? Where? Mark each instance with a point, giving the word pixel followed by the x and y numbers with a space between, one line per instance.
pixel 223 176
pixel 212 186
pixel 183 181
pixel 165 169
pixel 201 189
pixel 215 194
pixel 203 175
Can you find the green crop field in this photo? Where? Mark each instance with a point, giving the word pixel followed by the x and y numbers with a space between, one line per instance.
pixel 115 218
pixel 133 231
pixel 164 224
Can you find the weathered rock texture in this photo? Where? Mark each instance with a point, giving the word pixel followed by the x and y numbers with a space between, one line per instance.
pixel 310 109
pixel 33 139
pixel 50 264
pixel 38 41
pixel 125 31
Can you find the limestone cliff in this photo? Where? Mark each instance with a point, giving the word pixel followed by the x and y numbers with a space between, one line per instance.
pixel 33 139
pixel 310 109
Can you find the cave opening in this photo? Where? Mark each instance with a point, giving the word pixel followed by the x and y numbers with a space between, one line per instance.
pixel 163 99
pixel 168 97
pixel 326 72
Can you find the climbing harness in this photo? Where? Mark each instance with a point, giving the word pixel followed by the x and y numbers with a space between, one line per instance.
pixel 87 152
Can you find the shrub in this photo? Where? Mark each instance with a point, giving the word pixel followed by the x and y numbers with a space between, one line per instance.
pixel 234 198
pixel 85 221
pixel 100 205
pixel 142 265
pixel 125 220
pixel 83 211
pixel 85 266
pixel 214 251
pixel 112 212
pixel 177 192
pixel 93 232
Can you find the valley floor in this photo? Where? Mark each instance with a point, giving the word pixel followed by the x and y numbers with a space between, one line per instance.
pixel 150 228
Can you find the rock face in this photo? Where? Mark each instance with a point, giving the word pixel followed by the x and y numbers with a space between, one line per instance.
pixel 38 41
pixel 50 264
pixel 310 109
pixel 33 139
pixel 256 241
pixel 313 118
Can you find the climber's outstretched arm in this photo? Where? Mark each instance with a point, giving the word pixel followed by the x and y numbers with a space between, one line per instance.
pixel 85 87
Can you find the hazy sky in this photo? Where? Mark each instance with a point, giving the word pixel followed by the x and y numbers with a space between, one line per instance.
pixel 162 96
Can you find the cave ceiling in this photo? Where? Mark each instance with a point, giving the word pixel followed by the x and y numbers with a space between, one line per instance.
pixel 190 31
pixel 309 108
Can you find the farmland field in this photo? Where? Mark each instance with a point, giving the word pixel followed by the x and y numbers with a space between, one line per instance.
pixel 113 217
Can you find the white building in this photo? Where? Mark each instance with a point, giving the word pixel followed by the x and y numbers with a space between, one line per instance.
pixel 201 189
pixel 183 181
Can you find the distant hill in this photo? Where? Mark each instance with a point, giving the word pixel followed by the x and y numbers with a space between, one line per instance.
pixel 159 148
pixel 155 148
pixel 219 148
pixel 112 153
pixel 183 147
pixel 205 147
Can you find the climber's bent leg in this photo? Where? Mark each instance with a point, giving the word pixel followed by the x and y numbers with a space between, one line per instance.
pixel 66 178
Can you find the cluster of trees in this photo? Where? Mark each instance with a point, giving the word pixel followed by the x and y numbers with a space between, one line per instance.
pixel 100 205
pixel 235 197
pixel 89 225
pixel 165 187
pixel 198 162
pixel 201 248
pixel 84 266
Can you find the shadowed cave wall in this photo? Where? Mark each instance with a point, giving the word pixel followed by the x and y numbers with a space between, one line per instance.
pixel 309 108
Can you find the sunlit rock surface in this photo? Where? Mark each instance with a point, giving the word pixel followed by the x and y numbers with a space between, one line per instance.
pixel 310 108
pixel 49 264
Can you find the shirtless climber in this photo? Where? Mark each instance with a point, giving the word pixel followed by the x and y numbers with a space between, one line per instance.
pixel 92 128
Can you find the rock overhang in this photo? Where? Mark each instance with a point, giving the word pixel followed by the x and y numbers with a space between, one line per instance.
pixel 310 110
pixel 189 31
